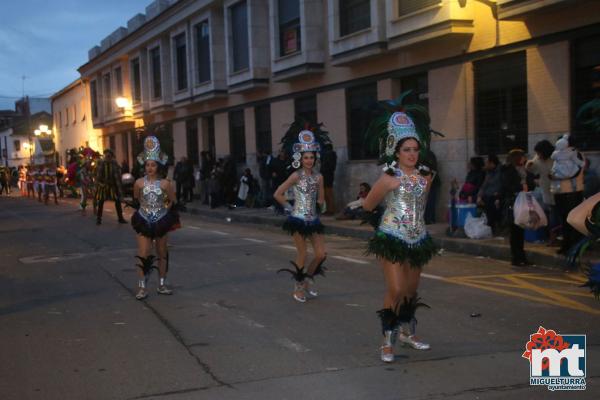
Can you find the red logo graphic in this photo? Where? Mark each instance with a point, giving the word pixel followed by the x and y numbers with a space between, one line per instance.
pixel 545 339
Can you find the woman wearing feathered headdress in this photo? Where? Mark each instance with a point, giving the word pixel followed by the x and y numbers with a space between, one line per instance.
pixel 401 241
pixel 155 216
pixel 304 144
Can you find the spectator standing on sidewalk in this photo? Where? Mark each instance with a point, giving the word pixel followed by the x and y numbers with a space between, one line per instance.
pixel 264 171
pixel 230 181
pixel 490 193
pixel 278 172
pixel 206 165
pixel 4 180
pixel 568 194
pixel 513 182
pixel 541 166
pixel 180 177
pixel 328 165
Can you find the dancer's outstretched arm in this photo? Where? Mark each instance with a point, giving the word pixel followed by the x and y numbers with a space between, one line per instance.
pixel 578 215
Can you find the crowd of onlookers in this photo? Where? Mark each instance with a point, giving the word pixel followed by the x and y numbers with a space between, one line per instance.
pixel 558 175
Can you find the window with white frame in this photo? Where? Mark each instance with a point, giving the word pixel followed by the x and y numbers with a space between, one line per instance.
pixel 355 15
pixel 289 26
pixel 240 51
pixel 180 60
pixel 203 51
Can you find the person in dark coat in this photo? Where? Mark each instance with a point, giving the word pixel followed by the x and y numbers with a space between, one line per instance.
pixel 513 181
pixel 490 192
pixel 328 165
pixel 264 171
pixel 182 175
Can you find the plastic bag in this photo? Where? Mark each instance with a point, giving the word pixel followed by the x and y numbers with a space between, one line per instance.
pixel 477 228
pixel 528 213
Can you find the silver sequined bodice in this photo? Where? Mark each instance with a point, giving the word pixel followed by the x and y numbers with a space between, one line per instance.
pixel 405 208
pixel 152 201
pixel 305 195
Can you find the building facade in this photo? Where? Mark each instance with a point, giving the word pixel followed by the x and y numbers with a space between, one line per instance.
pixel 19 144
pixel 228 76
pixel 72 122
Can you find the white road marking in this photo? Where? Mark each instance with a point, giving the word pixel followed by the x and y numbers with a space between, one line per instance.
pixel 119 323
pixel 436 277
pixel 290 345
pixel 352 260
pixel 354 305
pixel 220 233
pixel 50 259
pixel 285 246
pixel 193 227
pixel 254 240
pixel 250 322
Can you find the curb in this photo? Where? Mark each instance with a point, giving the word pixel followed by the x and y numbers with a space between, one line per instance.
pixel 463 246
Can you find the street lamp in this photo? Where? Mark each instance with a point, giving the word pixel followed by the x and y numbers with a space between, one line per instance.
pixel 123 103
pixel 42 130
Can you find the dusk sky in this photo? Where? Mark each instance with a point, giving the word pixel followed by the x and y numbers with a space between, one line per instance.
pixel 47 40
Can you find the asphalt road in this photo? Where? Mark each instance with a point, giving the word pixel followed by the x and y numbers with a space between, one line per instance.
pixel 70 327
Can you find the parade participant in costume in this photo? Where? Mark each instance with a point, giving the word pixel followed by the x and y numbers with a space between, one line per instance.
pixel 23 180
pixel 30 179
pixel 304 145
pixel 108 185
pixel 38 184
pixel 156 215
pixel 401 241
pixel 585 218
pixel 50 182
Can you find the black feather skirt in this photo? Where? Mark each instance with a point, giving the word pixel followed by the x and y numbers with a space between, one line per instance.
pixel 305 228
pixel 157 229
pixel 396 250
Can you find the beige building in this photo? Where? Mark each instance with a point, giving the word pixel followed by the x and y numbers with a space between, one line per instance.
pixel 72 123
pixel 228 76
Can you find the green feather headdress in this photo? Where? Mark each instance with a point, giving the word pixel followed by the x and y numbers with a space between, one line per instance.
pixel 390 126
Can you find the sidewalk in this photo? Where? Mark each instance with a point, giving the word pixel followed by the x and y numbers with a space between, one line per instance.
pixel 496 248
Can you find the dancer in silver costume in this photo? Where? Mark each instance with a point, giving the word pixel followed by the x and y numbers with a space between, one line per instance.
pixel 154 199
pixel 401 241
pixel 309 199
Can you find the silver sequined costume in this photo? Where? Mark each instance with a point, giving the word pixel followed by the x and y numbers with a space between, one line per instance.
pixel 305 196
pixel 153 219
pixel 152 201
pixel 304 218
pixel 405 208
pixel 401 235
